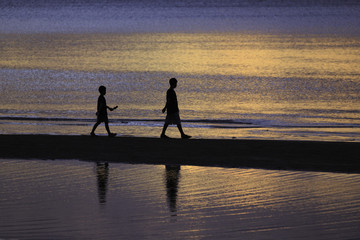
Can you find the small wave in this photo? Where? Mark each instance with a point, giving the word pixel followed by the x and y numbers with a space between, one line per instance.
pixel 195 123
pixel 60 119
pixel 45 119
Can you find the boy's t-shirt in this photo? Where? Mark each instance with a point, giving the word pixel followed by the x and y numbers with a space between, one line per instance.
pixel 171 101
pixel 101 106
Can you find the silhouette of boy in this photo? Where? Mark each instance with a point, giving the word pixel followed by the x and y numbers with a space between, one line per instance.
pixel 172 116
pixel 102 113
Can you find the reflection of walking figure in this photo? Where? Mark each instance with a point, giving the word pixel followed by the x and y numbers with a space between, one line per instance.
pixel 102 172
pixel 172 180
pixel 172 109
pixel 102 113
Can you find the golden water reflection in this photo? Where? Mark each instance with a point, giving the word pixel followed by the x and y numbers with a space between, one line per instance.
pixel 285 56
pixel 187 202
pixel 267 80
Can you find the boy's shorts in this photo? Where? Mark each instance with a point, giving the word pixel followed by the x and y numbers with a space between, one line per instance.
pixel 173 118
pixel 102 118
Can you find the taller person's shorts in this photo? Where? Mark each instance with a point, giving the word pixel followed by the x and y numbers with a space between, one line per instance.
pixel 173 118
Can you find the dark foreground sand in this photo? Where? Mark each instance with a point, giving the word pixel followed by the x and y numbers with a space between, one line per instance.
pixel 291 155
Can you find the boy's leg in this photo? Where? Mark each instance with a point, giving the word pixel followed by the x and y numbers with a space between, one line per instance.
pixel 108 129
pixel 94 128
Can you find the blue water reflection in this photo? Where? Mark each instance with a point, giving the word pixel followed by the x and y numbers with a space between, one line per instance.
pixel 65 199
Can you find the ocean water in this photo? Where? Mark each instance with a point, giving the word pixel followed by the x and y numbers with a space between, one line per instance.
pixel 69 199
pixel 246 69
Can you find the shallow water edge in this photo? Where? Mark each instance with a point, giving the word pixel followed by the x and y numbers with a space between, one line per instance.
pixel 71 199
pixel 289 155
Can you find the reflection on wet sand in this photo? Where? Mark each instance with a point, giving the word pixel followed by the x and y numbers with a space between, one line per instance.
pixel 102 172
pixel 55 200
pixel 172 176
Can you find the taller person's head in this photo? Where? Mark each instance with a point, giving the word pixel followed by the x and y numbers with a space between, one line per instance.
pixel 173 82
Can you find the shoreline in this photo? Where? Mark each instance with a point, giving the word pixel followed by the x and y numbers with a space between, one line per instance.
pixel 265 154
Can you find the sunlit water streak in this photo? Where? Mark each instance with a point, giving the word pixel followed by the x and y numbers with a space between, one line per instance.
pixel 66 199
pixel 230 84
pixel 272 69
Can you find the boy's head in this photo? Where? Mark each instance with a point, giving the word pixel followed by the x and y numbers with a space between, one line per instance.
pixel 173 82
pixel 102 90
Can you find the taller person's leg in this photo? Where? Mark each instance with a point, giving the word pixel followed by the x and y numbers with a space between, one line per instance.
pixel 183 135
pixel 164 130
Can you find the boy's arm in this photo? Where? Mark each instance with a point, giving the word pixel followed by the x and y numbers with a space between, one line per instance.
pixel 164 109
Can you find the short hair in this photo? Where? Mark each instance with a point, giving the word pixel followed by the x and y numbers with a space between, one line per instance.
pixel 102 89
pixel 172 81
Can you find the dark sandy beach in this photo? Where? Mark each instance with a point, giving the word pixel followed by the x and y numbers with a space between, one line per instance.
pixel 289 155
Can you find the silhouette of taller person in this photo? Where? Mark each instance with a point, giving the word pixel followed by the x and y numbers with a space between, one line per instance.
pixel 172 181
pixel 101 113
pixel 172 109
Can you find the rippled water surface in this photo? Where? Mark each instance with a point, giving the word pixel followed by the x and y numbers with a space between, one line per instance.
pixel 249 69
pixel 65 199
pixel 259 86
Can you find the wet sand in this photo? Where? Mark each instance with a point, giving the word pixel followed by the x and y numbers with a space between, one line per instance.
pixel 267 154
